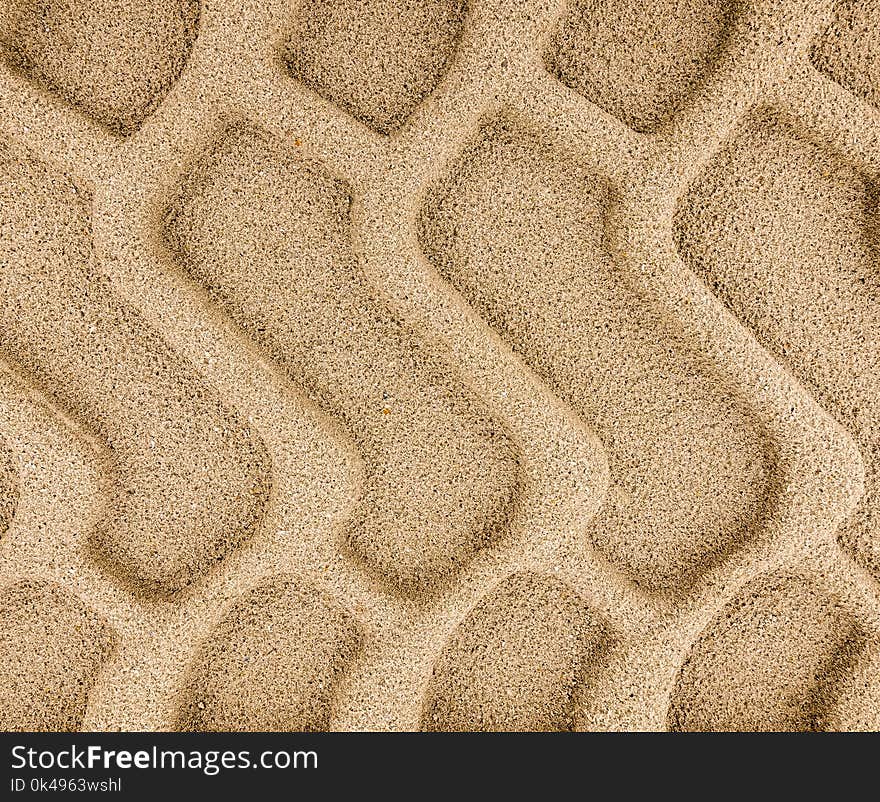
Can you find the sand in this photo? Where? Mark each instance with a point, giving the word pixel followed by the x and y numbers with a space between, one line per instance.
pixel 116 73
pixel 638 60
pixel 441 473
pixel 228 676
pixel 53 649
pixel 517 660
pixel 436 365
pixel 162 427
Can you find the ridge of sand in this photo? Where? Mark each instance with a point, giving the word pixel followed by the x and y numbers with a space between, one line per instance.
pixel 269 235
pixel 49 640
pixel 772 660
pixel 284 633
pixel 192 481
pixel 554 295
pixel 113 60
pixel 516 660
pixel 806 282
pixel 438 365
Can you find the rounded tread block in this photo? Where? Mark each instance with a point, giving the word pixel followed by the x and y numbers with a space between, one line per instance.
pixel 114 60
pixel 52 648
pixel 848 51
pixel 774 659
pixel 517 660
pixel 376 59
pixel 639 60
pixel 271 664
pixel 269 235
pixel 786 234
pixel 191 479
pixel 520 233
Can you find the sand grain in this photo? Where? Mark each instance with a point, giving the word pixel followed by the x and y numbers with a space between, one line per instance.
pixel 191 480
pixel 112 59
pixel 269 235
pixel 516 660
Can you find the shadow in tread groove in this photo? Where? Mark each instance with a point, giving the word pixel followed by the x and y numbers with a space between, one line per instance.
pixel 377 59
pixel 517 660
pixel 848 52
pixel 788 236
pixel 269 235
pixel 775 658
pixel 114 60
pixel 638 60
pixel 52 648
pixel 520 233
pixel 8 488
pixel 192 480
pixel 272 663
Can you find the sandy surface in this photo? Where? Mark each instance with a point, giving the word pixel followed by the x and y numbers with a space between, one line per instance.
pixel 439 365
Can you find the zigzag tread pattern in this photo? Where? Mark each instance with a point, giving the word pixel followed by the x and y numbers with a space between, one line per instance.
pixel 488 379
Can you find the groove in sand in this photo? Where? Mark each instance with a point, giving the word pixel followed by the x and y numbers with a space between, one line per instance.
pixel 775 658
pixel 111 59
pixel 857 706
pixel 638 60
pixel 192 481
pixel 701 498
pixel 271 664
pixel 377 59
pixel 786 234
pixel 848 51
pixel 269 235
pixel 516 661
pixel 8 488
pixel 52 648
pixel 520 234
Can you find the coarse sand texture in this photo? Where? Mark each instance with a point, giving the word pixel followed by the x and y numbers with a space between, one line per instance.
pixel 440 365
pixel 167 435
pixel 111 59
pixel 52 648
pixel 270 236
pixel 691 472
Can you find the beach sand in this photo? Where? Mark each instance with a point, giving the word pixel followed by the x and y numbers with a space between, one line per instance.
pixel 439 365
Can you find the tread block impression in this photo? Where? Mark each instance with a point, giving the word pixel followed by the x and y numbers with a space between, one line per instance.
pixel 517 660
pixel 638 60
pixel 377 59
pixel 192 480
pixel 272 664
pixel 848 51
pixel 114 60
pixel 775 659
pixel 786 233
pixel 520 233
pixel 52 648
pixel 269 235
pixel 857 707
